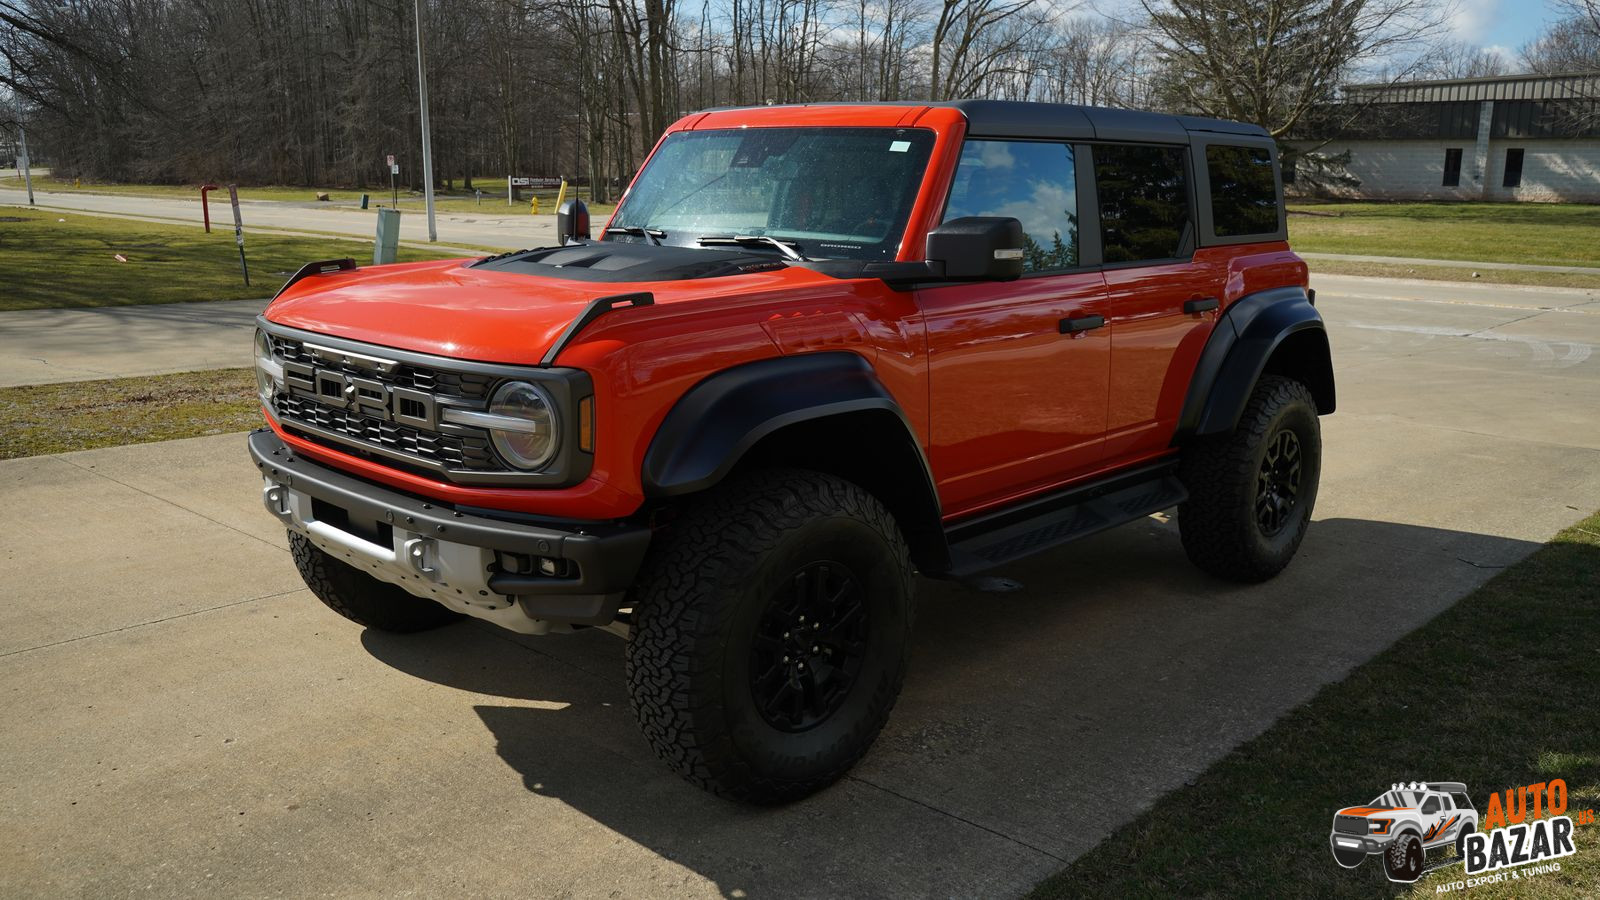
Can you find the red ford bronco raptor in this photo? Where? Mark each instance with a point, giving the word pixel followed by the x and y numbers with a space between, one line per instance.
pixel 817 349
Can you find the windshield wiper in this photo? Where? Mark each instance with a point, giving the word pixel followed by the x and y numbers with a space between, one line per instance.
pixel 787 248
pixel 654 235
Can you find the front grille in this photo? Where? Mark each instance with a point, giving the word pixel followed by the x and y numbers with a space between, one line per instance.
pixel 434 381
pixel 451 451
pixel 1351 825
pixel 451 448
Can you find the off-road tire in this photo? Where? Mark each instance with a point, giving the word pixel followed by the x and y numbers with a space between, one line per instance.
pixel 711 584
pixel 1219 523
pixel 1461 839
pixel 1404 860
pixel 361 598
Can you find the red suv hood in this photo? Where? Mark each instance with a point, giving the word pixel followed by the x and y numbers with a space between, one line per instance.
pixel 449 309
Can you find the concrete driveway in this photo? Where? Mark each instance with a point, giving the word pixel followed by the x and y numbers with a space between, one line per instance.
pixel 183 719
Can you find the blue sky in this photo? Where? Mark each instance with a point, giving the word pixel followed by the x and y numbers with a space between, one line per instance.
pixel 1503 24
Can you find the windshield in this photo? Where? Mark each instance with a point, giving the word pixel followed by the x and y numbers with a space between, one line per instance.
pixel 830 193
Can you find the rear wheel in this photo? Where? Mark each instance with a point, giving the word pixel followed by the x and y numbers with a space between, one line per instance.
pixel 1461 839
pixel 770 634
pixel 361 598
pixel 1251 491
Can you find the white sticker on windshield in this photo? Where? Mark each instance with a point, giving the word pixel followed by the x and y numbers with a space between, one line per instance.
pixel 899 146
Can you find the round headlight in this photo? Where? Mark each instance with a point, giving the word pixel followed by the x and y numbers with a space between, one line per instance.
pixel 533 439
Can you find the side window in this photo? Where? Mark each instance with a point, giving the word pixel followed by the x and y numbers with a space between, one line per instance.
pixel 1452 167
pixel 1144 201
pixel 1513 174
pixel 1033 182
pixel 1430 806
pixel 1244 199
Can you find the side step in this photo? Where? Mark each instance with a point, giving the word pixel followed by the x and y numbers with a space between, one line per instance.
pixel 1010 534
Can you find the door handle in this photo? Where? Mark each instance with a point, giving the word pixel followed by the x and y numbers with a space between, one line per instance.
pixel 1200 305
pixel 1081 323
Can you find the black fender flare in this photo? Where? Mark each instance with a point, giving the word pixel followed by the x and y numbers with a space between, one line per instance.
pixel 717 421
pixel 1246 336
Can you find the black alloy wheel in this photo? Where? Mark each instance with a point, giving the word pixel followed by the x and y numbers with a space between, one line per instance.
pixel 1278 482
pixel 808 648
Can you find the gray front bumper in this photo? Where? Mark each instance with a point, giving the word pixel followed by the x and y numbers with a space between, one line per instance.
pixel 1358 843
pixel 447 555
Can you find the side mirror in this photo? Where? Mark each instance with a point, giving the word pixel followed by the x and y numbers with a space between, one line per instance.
pixel 572 222
pixel 977 248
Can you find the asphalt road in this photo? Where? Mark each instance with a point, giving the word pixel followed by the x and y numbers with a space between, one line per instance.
pixel 493 229
pixel 182 719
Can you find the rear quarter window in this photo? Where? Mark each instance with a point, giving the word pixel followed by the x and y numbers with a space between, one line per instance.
pixel 1244 194
pixel 1144 201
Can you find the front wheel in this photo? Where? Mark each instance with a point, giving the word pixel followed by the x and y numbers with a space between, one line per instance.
pixel 1251 491
pixel 770 636
pixel 1402 862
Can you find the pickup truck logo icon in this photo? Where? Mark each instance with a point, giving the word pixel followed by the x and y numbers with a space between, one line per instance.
pixel 1402 825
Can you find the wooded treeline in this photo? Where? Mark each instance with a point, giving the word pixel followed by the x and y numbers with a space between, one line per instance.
pixel 316 93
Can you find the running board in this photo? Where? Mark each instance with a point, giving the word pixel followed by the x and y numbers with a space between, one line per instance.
pixel 1038 525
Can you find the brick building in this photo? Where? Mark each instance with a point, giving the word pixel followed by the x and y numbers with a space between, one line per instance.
pixel 1511 137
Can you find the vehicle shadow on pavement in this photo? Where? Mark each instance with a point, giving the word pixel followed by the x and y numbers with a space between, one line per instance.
pixel 1118 671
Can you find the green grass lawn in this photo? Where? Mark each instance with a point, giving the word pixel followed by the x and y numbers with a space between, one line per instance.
pixel 1562 234
pixel 1497 692
pixel 46 262
pixel 82 415
pixel 1455 273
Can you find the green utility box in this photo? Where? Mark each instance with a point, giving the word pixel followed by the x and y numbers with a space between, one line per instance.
pixel 388 236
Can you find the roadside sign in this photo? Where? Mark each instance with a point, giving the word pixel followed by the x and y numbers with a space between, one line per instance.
pixel 238 230
pixel 542 182
pixel 390 162
pixel 394 169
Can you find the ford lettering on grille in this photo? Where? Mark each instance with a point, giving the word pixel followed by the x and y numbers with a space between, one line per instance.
pixel 366 396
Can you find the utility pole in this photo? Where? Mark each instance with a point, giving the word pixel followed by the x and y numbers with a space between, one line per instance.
pixel 427 141
pixel 27 173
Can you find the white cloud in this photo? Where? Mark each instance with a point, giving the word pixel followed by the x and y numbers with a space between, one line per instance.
pixel 1473 20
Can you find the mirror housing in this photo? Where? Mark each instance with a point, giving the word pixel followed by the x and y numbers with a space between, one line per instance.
pixel 976 248
pixel 572 222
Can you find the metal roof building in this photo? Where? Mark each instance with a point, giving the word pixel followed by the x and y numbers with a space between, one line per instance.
pixel 1511 137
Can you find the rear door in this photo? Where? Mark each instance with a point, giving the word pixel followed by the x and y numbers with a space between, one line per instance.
pixel 1018 370
pixel 1161 299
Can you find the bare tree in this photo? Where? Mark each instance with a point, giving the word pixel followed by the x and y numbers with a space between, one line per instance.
pixel 971 42
pixel 319 91
pixel 1569 45
pixel 1458 59
pixel 1272 61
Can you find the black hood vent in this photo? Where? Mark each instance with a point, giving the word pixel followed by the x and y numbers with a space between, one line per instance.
pixel 621 261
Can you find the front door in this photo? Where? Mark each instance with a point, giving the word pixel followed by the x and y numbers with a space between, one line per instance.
pixel 1018 371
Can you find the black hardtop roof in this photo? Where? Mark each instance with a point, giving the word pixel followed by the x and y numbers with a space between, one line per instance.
pixel 1024 119
pixel 1011 118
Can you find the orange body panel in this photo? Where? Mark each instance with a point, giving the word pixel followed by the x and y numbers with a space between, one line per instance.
pixel 1002 402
